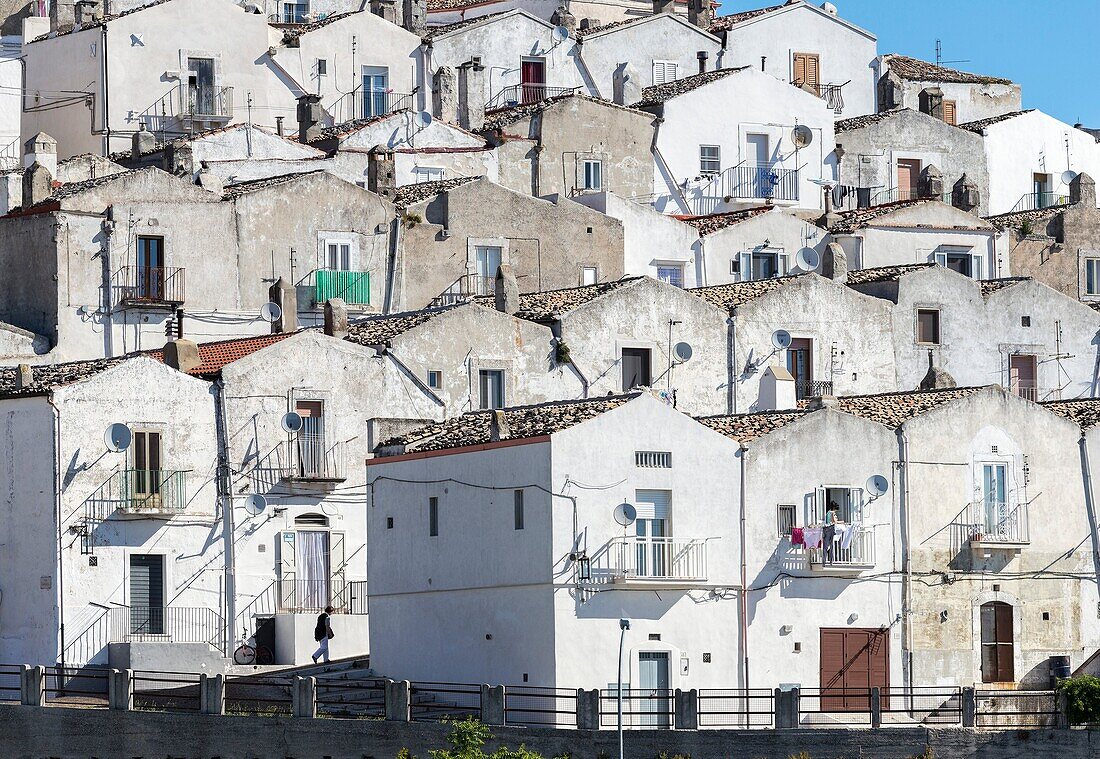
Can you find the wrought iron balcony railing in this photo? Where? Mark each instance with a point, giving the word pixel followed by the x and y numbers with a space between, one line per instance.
pixel 145 285
pixel 524 94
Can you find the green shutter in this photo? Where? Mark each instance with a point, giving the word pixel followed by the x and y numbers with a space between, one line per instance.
pixel 352 286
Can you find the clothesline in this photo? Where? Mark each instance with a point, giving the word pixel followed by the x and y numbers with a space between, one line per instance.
pixel 811 536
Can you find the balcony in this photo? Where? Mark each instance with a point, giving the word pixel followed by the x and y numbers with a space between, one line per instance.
pixel 463 289
pixel 994 524
pixel 649 562
pixel 313 596
pixel 150 287
pixel 309 459
pixel 205 104
pixel 832 94
pixel 352 286
pixel 1033 201
pixel 857 557
pixel 138 492
pixel 172 624
pixel 368 104
pixel 525 94
pixel 812 388
pixel 1030 390
pixel 747 183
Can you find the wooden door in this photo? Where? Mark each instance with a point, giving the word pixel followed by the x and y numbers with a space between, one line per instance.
pixel 800 364
pixel 908 176
pixel 853 661
pixel 997 643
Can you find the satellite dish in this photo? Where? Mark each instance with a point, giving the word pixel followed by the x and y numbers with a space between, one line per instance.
pixel 291 422
pixel 625 514
pixel 807 259
pixel 560 34
pixel 1068 176
pixel 781 339
pixel 802 136
pixel 683 352
pixel 270 312
pixel 423 119
pixel 118 437
pixel 877 485
pixel 255 504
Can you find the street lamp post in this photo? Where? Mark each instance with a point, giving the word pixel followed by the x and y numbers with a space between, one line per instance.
pixel 624 625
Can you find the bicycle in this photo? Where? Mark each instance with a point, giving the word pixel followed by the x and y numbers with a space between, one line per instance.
pixel 246 654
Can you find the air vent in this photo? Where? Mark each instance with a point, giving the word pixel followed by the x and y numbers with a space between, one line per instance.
pixel 653 459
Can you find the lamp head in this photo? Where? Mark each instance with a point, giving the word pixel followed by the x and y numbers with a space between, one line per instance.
pixel 624 624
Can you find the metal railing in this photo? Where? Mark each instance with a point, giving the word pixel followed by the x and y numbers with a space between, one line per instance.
pixel 643 708
pixel 523 94
pixel 363 103
pixel 997 522
pixel 1029 389
pixel 359 698
pixel 138 491
pixel 747 182
pixel 10 687
pixel 167 691
pixel 171 624
pixel 314 596
pixel 206 103
pixel 832 94
pixel 651 559
pixel 309 458
pixel 148 285
pixel 848 707
pixel 436 701
pixel 740 708
pixel 11 155
pixel 352 599
pixel 533 705
pixel 1033 201
pixel 258 694
pixel 859 553
pixel 463 289
pixel 352 286
pixel 813 388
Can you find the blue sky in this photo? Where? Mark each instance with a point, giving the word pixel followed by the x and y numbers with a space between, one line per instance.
pixel 1051 47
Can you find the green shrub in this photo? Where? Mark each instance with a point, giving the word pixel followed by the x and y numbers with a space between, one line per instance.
pixel 1082 698
pixel 468 738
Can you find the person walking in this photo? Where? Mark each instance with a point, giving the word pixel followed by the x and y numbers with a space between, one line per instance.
pixel 323 634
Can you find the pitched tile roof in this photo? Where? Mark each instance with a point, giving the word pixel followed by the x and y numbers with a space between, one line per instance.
pixel 1014 219
pixel 746 427
pixel 884 273
pixel 347 127
pixel 498 118
pixel 922 71
pixel 990 286
pixel 522 422
pixel 438 31
pixel 659 93
pixel 291 32
pixel 546 305
pixel 893 409
pixel 722 23
pixel 716 222
pixel 215 356
pixel 446 5
pixel 411 194
pixel 102 21
pixel 255 185
pixel 379 330
pixel 859 122
pixel 736 293
pixel 980 125
pixel 1084 411
pixel 48 377
pixel 70 189
pixel 862 217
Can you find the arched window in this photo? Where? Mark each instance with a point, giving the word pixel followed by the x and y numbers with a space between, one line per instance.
pixel 997 644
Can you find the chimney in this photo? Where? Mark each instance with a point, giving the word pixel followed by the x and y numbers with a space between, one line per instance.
pixel 41 149
pixel 627 86
pixel 182 355
pixel 699 13
pixel 831 218
pixel 498 426
pixel 562 17
pixel 836 263
pixel 936 378
pixel 930 183
pixel 208 180
pixel 142 142
pixel 445 94
pixel 279 126
pixel 24 377
pixel 590 23
pixel 386 9
pixel 285 296
pixel 965 195
pixel 37 185
pixel 415 16
pixel 309 118
pixel 663 6
pixel 381 173
pixel 471 95
pixel 336 318
pixel 891 91
pixel 702 56
pixel 506 290
pixel 777 391
pixel 1083 190
pixel 86 12
pixel 931 102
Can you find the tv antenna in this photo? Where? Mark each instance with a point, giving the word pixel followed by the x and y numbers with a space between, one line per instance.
pixel 939 55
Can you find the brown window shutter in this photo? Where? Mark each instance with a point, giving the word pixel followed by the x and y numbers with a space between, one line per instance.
pixel 813 73
pixel 799 77
pixel 949 112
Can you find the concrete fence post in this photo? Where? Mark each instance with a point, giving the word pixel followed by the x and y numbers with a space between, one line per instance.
pixel 588 709
pixel 397 694
pixel 794 715
pixel 492 704
pixel 212 694
pixel 303 696
pixel 686 709
pixel 779 707
pixel 969 707
pixel 120 690
pixel 876 707
pixel 1062 702
pixel 32 685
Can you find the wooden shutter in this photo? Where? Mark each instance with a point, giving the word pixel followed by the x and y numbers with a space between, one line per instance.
pixel 798 76
pixel 949 111
pixel 1005 644
pixel 807 71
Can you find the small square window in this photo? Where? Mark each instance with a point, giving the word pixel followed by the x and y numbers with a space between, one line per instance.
pixel 433 517
pixel 655 636
pixel 435 379
pixel 671 274
pixel 588 230
pixel 389 523
pixel 1046 616
pixel 518 509
pixel 590 275
pixel 785 519
pixel 928 326
pixel 1025 321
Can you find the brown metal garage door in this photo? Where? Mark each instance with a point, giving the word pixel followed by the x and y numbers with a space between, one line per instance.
pixel 852 662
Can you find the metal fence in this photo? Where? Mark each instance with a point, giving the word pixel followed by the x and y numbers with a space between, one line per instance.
pixel 643 708
pixel 166 691
pixel 150 285
pixel 351 698
pixel 751 708
pixel 436 701
pixel 532 705
pixel 9 682
pixel 923 706
pixel 258 694
pixel 175 624
pixel 78 685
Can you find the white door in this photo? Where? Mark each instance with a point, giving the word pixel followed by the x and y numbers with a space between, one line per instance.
pixel 757 152
pixel 376 84
pixel 994 500
pixel 312 560
pixel 653 688
pixel 487 260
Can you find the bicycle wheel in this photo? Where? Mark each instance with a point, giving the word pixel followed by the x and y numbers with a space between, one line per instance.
pixel 264 655
pixel 245 654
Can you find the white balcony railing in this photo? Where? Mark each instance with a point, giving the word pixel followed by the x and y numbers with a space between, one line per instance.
pixel 637 559
pixel 997 523
pixel 859 553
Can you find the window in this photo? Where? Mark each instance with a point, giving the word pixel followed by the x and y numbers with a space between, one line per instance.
pixel 1092 276
pixel 338 255
pixel 309 441
pixel 518 509
pixel 1025 321
pixel 710 160
pixel 428 173
pixel 589 275
pixel 664 71
pixel 322 67
pixel 759 264
pixel 147 476
pixel 376 94
pixel 435 379
pixel 200 86
pixel 949 112
pixel 672 274
pixel 150 281
pixel 295 13
pixel 908 179
pixel 651 529
pixel 785 519
pixel 433 517
pixel 997 643
pixel 928 326
pixel 636 368
pixel 491 388
pixel 389 523
pixel 593 175
pixel 962 260
pixel 487 260
pixel 806 71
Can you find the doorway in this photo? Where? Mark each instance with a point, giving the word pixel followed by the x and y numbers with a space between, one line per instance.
pixel 487 260
pixel 376 84
pixel 994 498
pixel 636 368
pixel 652 532
pixel 533 80
pixel 998 647
pixel 852 662
pixel 200 83
pixel 801 366
pixel 1023 373
pixel 150 268
pixel 653 683
pixel 908 178
pixel 311 438
pixel 146 594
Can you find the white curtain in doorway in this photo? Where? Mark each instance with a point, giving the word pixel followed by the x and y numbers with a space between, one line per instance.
pixel 312 560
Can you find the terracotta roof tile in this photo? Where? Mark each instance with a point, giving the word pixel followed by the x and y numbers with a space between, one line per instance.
pixel 922 71
pixel 255 185
pixel 860 122
pixel 103 21
pixel 547 305
pixel 990 286
pixel 1014 219
pixel 734 294
pixel 434 32
pixel 723 23
pixel 379 330
pixel 411 194
pixel 894 409
pixel 292 32
pixel 659 93
pixel 49 377
pixel 862 217
pixel 1084 411
pixel 884 273
pixel 216 355
pixel 716 222
pixel 498 118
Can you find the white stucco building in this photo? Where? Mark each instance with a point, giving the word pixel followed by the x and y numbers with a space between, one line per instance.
pixel 965 97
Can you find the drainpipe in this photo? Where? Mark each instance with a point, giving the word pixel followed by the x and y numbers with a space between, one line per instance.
pixel 731 370
pixel 744 571
pixel 106 95
pixel 906 588
pixel 60 529
pixel 225 502
pixel 1090 505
